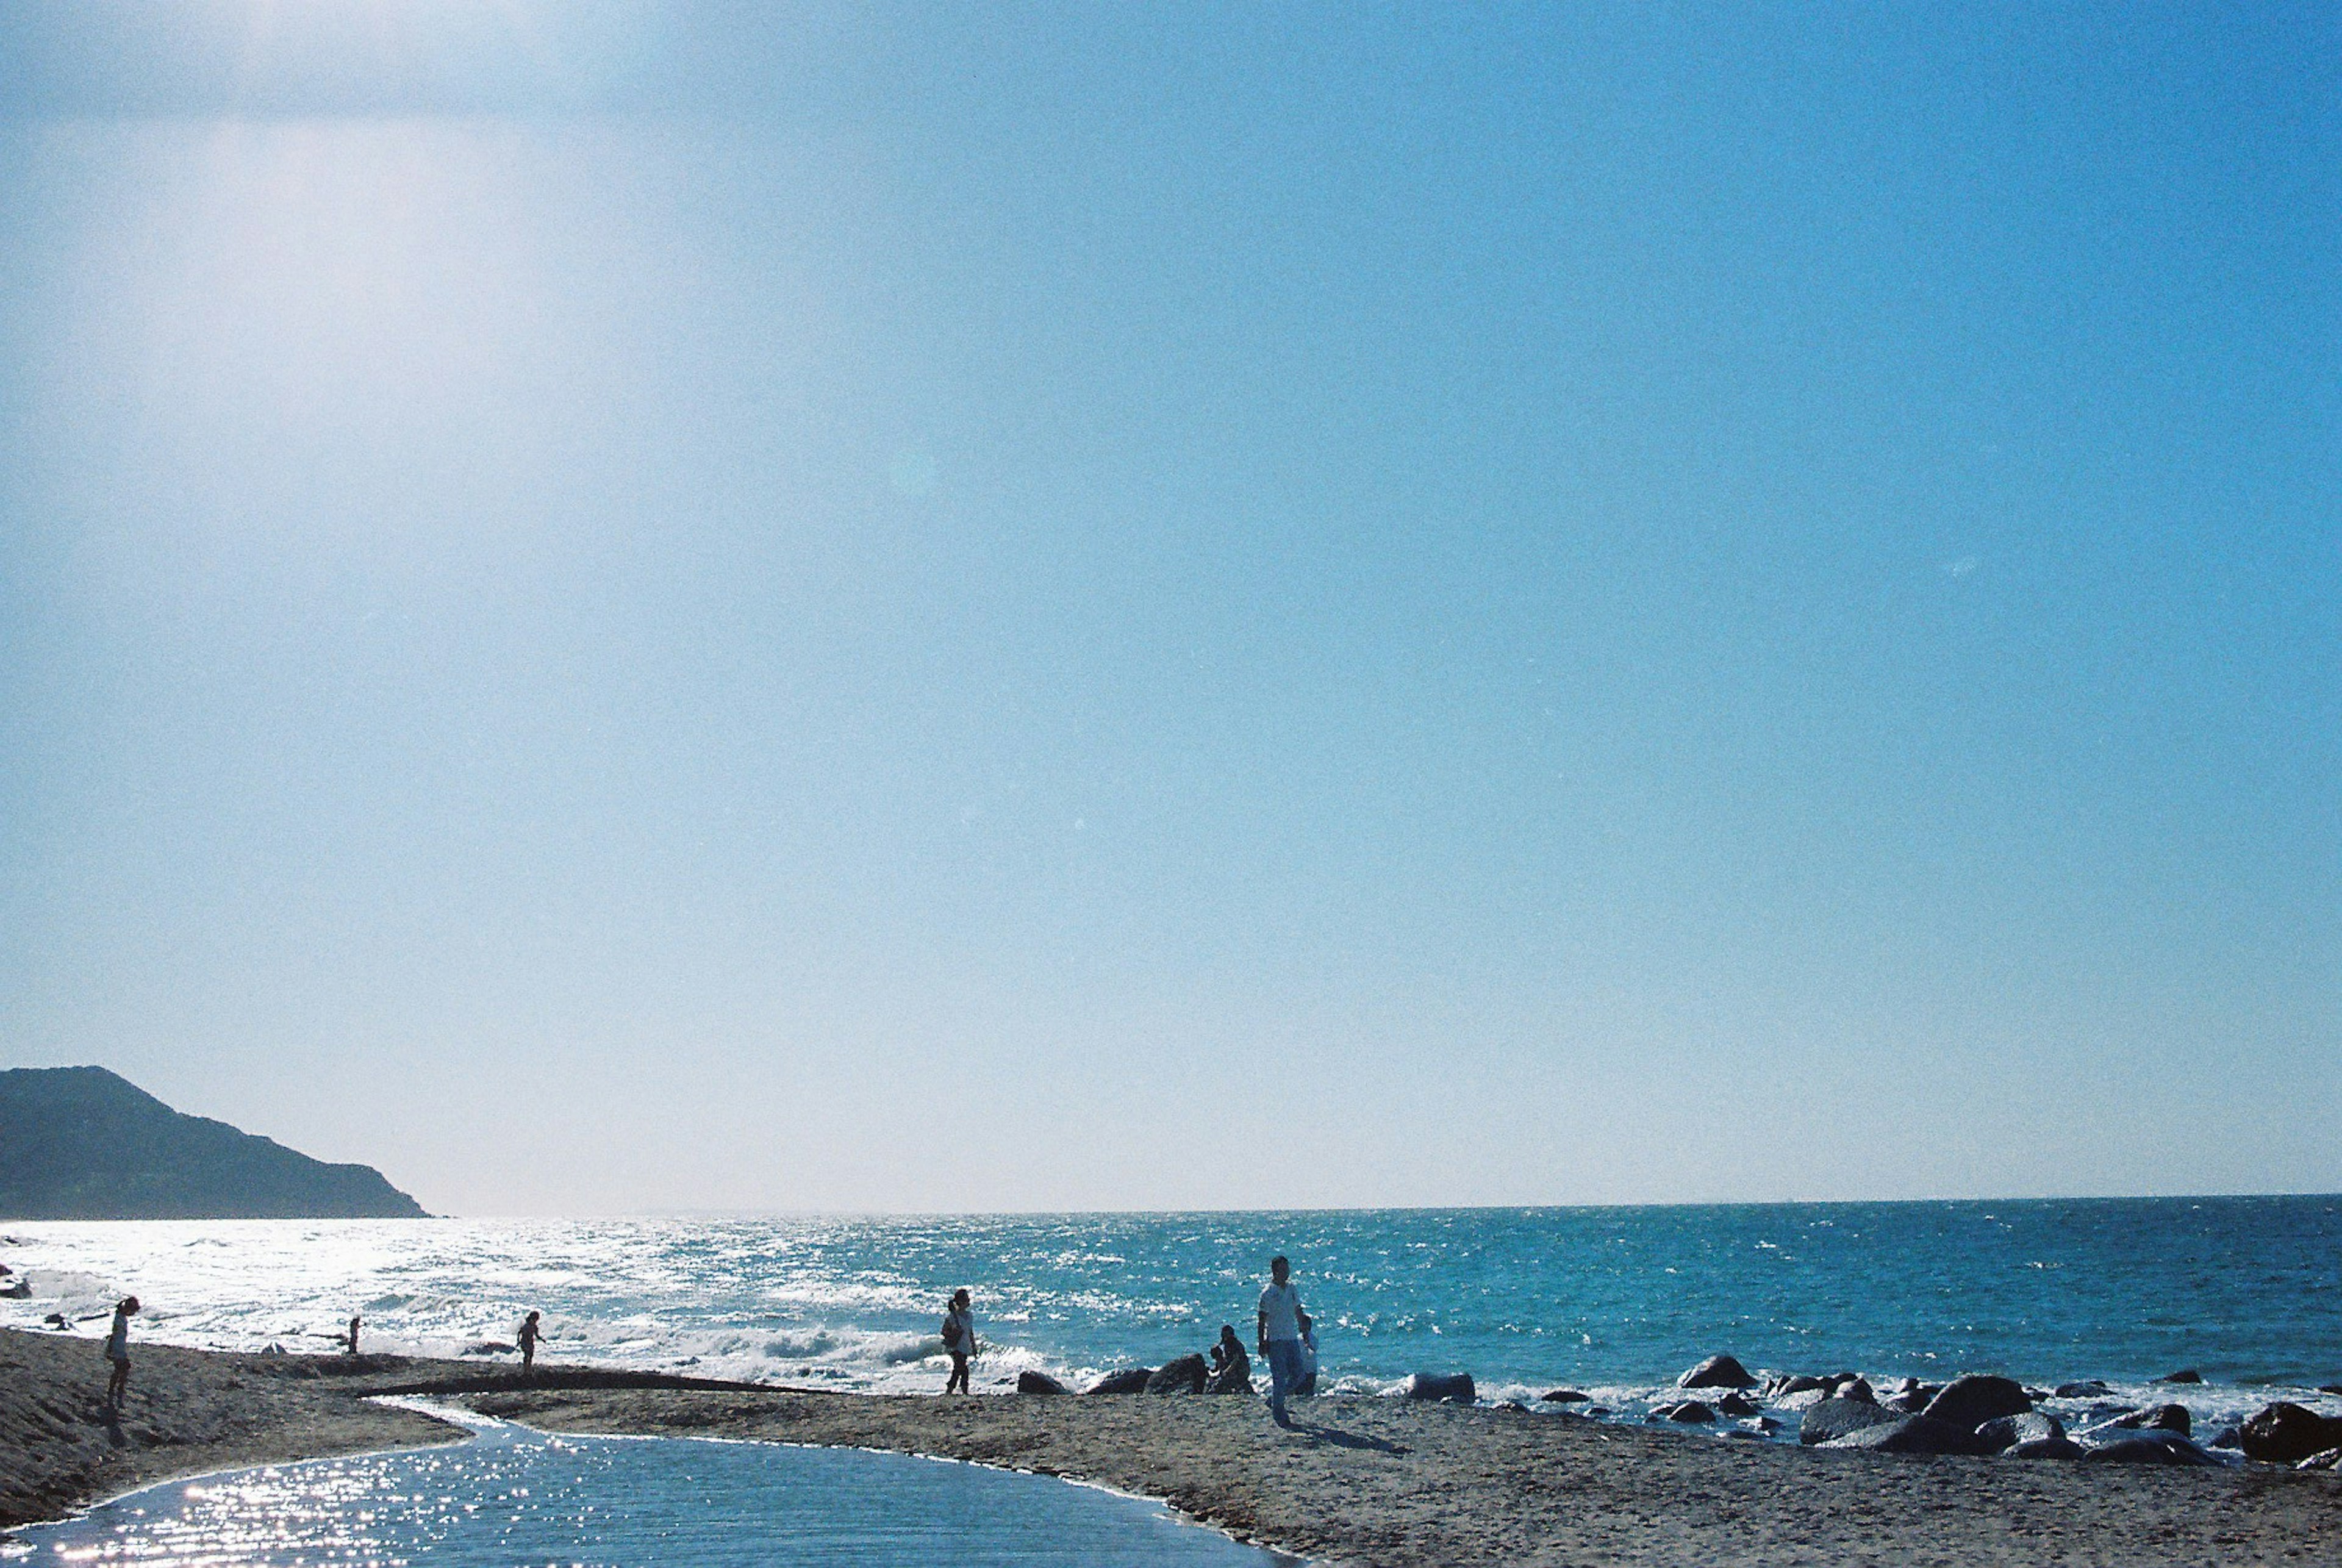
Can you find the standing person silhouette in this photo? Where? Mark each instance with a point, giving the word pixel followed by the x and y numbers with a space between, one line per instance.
pixel 959 1341
pixel 527 1336
pixel 117 1350
pixel 352 1348
pixel 1280 1336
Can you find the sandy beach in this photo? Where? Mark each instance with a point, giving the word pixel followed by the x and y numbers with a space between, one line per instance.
pixel 1363 1481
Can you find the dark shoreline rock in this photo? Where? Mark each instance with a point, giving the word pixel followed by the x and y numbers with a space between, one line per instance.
pixel 1835 1418
pixel 1969 1401
pixel 2287 1433
pixel 1453 1388
pixel 2187 1375
pixel 1130 1380
pixel 1717 1371
pixel 1914 1435
pixel 1187 1374
pixel 1031 1381
pixel 1563 1396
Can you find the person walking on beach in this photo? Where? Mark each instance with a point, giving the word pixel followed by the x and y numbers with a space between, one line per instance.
pixel 527 1336
pixel 352 1348
pixel 1280 1336
pixel 117 1350
pixel 959 1340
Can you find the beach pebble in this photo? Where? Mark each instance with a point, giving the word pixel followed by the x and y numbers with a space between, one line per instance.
pixel 1130 1380
pixel 1913 1434
pixel 1186 1375
pixel 1031 1381
pixel 2189 1375
pixel 1456 1388
pixel 1971 1401
pixel 1716 1372
pixel 1563 1396
pixel 1835 1418
pixel 2164 1417
pixel 2008 1431
pixel 2286 1433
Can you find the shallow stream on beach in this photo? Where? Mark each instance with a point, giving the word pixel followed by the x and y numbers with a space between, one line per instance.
pixel 513 1496
pixel 1612 1301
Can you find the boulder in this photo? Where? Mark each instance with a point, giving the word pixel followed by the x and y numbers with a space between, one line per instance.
pixel 1835 1418
pixel 1031 1381
pixel 2093 1389
pixel 1563 1396
pixel 2148 1448
pixel 1799 1384
pixel 2059 1447
pixel 1736 1404
pixel 1456 1388
pixel 1910 1404
pixel 1130 1380
pixel 1186 1375
pixel 2229 1437
pixel 1690 1411
pixel 2286 1433
pixel 1856 1389
pixel 2006 1431
pixel 2189 1375
pixel 2161 1417
pixel 1913 1434
pixel 1716 1372
pixel 1969 1402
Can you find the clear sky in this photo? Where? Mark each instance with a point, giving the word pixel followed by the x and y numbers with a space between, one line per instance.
pixel 621 607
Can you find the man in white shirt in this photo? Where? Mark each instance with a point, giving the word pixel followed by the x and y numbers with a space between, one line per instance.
pixel 1280 1336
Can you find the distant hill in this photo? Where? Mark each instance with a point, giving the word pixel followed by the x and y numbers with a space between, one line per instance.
pixel 81 1144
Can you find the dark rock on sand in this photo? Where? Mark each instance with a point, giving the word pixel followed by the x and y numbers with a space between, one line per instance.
pixel 2148 1448
pixel 1716 1372
pixel 1969 1402
pixel 1690 1411
pixel 1856 1389
pixel 1130 1380
pixel 2228 1437
pixel 1736 1404
pixel 1563 1396
pixel 2329 1459
pixel 1031 1381
pixel 1835 1418
pixel 1913 1434
pixel 2006 1431
pixel 2161 1417
pixel 2059 1447
pixel 1186 1375
pixel 1456 1388
pixel 2286 1433
pixel 2188 1375
pixel 2093 1389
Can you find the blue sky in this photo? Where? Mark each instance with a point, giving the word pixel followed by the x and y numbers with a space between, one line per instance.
pixel 656 607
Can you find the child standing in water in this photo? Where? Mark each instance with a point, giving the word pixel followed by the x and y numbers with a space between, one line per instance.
pixel 117 1350
pixel 527 1336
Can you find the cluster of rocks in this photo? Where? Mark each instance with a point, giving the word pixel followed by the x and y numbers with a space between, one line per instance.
pixel 1986 1415
pixel 1185 1374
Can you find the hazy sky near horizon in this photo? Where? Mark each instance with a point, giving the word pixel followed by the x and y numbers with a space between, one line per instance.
pixel 642 606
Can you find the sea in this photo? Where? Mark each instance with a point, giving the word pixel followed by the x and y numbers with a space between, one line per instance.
pixel 1615 1303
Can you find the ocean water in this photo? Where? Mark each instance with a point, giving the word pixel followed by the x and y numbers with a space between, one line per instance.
pixel 1613 1301
pixel 510 1496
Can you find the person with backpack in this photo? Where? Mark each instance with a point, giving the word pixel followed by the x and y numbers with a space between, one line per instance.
pixel 959 1340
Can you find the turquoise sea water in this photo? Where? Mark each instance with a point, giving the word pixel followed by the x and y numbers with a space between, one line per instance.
pixel 511 1496
pixel 1616 1301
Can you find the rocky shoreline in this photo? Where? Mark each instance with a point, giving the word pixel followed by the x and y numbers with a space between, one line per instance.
pixel 1359 1481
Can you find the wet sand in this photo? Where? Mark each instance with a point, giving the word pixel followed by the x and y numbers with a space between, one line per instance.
pixel 1365 1481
